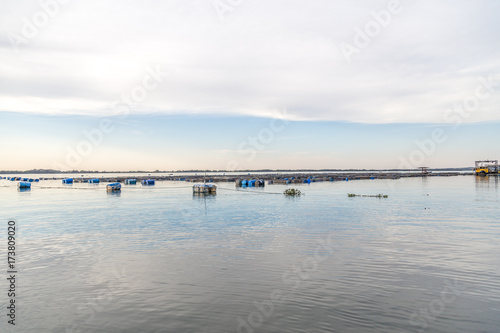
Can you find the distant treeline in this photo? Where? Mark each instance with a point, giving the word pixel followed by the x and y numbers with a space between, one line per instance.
pixel 50 171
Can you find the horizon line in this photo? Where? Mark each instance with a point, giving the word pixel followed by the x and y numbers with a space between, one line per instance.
pixel 225 171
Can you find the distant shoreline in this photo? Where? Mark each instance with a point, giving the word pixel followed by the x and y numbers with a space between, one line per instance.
pixel 52 171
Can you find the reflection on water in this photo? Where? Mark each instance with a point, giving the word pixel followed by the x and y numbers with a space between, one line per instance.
pixel 160 259
pixel 487 190
pixel 487 182
pixel 204 195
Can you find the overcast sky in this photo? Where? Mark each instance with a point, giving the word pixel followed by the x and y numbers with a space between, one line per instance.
pixel 252 58
pixel 380 62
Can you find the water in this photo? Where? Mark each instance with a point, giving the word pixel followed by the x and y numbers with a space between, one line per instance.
pixel 158 259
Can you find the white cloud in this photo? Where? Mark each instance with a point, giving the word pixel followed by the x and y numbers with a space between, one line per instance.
pixel 264 56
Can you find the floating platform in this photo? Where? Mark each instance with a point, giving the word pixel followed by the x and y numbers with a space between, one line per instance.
pixel 148 182
pixel 114 187
pixel 24 185
pixel 250 183
pixel 205 188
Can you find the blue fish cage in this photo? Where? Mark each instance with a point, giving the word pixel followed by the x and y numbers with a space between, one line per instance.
pixel 113 187
pixel 24 185
pixel 148 182
pixel 68 181
pixel 250 183
pixel 94 181
pixel 130 181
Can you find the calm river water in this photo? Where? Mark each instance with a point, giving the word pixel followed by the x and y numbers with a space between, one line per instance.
pixel 158 259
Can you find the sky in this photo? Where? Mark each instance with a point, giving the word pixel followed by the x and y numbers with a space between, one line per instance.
pixel 236 84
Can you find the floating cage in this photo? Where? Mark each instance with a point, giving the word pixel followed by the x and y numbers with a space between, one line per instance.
pixel 24 185
pixel 148 182
pixel 113 187
pixel 130 181
pixel 250 183
pixel 68 181
pixel 204 188
pixel 94 181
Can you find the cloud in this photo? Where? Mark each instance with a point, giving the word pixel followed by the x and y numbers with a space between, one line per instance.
pixel 262 57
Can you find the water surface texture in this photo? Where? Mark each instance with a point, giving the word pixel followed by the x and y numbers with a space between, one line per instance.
pixel 158 259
